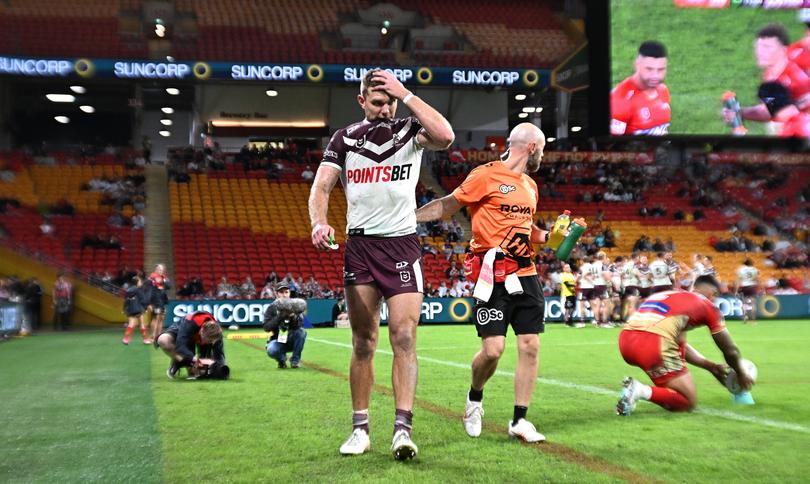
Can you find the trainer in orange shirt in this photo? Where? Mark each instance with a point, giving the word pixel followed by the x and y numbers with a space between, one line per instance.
pixel 639 105
pixel 502 200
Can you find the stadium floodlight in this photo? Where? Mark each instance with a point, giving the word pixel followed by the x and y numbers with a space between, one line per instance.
pixel 384 30
pixel 61 98
pixel 539 109
pixel 166 122
pixel 78 89
pixel 167 110
pixel 551 140
pixel 173 91
pixel 529 109
pixel 523 115
pixel 271 92
pixel 576 129
pixel 160 33
pixel 165 133
pixel 62 119
pixel 87 109
pixel 169 58
pixel 520 97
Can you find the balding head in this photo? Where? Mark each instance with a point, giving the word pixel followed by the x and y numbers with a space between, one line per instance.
pixel 527 140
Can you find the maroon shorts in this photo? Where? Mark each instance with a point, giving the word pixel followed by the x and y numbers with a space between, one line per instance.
pixel 667 287
pixel 393 264
pixel 645 291
pixel 749 291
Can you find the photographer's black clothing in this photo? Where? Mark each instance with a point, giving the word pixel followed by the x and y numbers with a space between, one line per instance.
pixel 276 321
pixel 136 300
pixel 186 334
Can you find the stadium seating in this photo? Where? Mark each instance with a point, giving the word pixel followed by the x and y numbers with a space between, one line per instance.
pixel 66 28
pixel 37 187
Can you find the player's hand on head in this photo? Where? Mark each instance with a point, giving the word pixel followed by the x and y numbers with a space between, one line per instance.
pixel 390 84
pixel 322 235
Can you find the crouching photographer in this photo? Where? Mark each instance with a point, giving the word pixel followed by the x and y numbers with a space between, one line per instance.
pixel 284 320
pixel 195 342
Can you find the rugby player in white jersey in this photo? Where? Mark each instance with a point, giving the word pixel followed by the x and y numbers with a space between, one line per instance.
pixel 747 287
pixel 377 161
pixel 660 274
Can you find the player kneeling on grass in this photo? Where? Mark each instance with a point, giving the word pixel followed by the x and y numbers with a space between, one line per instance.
pixel 195 342
pixel 654 339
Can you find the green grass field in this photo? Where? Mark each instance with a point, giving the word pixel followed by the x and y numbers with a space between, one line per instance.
pixel 710 52
pixel 81 407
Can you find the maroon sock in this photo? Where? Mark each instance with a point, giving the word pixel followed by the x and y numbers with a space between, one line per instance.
pixel 360 420
pixel 403 421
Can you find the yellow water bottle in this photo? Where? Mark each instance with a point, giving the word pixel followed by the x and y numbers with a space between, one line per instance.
pixel 557 236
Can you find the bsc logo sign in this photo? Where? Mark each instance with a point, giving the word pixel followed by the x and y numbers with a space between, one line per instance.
pixel 485 315
pixel 506 188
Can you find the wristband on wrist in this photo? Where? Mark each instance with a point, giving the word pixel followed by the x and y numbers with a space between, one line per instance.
pixel 407 98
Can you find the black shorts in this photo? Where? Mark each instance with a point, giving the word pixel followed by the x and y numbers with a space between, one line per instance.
pixel 525 312
pixel 570 302
pixel 392 263
pixel 667 287
pixel 645 291
pixel 632 291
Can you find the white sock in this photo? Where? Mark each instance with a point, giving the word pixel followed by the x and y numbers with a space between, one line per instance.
pixel 646 391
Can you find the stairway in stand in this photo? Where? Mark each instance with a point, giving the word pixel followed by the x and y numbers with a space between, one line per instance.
pixel 158 228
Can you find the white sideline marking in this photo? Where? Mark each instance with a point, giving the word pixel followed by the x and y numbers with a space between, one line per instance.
pixel 598 391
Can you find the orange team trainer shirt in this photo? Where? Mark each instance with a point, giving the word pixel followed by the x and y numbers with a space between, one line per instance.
pixel 502 205
pixel 633 111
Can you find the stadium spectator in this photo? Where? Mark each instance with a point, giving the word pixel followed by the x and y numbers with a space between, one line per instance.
pixel 307 175
pixel 225 290
pixel 247 290
pixel 62 302
pixel 268 291
pixel 138 221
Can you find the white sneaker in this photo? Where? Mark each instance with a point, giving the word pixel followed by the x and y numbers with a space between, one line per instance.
pixel 402 447
pixel 631 392
pixel 525 431
pixel 357 443
pixel 473 413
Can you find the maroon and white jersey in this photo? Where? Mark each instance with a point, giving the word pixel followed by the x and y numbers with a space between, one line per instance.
pixel 379 167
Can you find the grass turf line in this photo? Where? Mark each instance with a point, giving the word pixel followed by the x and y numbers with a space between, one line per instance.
pixel 77 407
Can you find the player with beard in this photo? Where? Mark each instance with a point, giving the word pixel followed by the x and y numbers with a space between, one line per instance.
pixel 640 104
pixel 502 200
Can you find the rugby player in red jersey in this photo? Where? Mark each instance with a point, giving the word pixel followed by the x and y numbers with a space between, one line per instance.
pixel 654 339
pixel 640 104
pixel 783 110
pixel 771 53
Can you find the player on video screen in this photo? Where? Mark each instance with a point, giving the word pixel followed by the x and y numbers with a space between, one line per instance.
pixel 640 104
pixel 771 53
pixel 783 110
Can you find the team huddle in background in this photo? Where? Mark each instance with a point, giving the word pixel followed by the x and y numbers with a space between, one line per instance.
pixel 612 291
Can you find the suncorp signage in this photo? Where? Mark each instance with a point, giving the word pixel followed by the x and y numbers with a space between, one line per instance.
pixel 151 70
pixel 252 72
pixel 485 78
pixel 35 67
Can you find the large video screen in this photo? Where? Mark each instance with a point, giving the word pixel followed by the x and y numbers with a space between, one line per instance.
pixel 710 67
